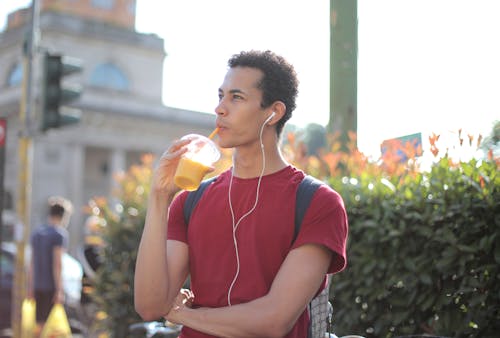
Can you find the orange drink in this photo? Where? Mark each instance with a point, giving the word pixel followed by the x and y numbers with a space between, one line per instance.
pixel 196 162
pixel 189 174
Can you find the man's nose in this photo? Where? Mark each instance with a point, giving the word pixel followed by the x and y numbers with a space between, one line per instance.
pixel 220 109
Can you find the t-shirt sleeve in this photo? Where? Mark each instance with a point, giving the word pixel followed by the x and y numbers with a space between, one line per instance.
pixel 325 222
pixel 64 242
pixel 177 228
pixel 59 239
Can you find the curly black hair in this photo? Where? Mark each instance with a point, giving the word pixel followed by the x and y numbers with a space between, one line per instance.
pixel 279 82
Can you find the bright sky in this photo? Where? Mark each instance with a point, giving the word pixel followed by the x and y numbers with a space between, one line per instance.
pixel 423 66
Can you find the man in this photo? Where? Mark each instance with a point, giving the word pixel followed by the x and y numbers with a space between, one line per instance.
pixel 48 243
pixel 249 277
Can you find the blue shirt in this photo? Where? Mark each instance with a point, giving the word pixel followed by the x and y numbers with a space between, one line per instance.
pixel 43 241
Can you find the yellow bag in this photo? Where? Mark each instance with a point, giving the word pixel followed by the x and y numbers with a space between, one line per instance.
pixel 57 325
pixel 28 318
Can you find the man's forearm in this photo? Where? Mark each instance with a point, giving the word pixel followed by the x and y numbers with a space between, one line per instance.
pixel 57 272
pixel 258 318
pixel 151 276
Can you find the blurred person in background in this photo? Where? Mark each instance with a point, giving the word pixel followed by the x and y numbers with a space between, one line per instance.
pixel 48 243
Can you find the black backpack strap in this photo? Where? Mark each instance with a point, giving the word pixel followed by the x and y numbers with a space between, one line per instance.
pixel 305 192
pixel 193 198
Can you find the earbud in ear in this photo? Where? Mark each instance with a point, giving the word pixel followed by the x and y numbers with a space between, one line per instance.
pixel 270 117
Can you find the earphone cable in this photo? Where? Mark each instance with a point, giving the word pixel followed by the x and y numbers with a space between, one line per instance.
pixel 235 225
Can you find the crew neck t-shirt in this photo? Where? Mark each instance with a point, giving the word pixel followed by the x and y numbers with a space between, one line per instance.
pixel 264 237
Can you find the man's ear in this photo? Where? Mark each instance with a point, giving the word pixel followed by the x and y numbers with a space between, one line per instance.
pixel 279 110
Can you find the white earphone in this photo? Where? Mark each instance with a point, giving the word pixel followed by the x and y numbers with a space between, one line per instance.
pixel 236 222
pixel 270 117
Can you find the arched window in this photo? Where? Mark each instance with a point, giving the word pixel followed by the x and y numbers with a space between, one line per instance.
pixel 16 75
pixel 109 76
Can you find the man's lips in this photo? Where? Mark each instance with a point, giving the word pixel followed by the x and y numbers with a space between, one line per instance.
pixel 221 127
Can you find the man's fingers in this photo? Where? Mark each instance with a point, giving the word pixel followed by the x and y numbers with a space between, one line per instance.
pixel 187 293
pixel 188 297
pixel 176 149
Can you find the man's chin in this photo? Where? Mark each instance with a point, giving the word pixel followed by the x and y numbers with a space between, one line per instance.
pixel 224 145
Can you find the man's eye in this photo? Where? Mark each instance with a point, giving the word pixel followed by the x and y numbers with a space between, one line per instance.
pixel 237 97
pixel 220 97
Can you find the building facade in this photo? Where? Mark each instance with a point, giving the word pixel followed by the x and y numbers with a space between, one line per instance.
pixel 122 117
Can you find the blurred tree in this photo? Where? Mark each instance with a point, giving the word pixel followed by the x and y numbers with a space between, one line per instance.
pixel 314 138
pixel 492 142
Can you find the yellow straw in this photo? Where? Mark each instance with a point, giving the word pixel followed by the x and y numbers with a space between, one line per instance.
pixel 216 130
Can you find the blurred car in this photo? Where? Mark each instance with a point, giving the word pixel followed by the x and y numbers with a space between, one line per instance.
pixel 72 274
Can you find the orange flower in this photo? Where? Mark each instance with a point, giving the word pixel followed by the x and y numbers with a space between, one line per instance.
pixel 147 159
pixel 434 150
pixel 433 139
pixel 332 161
pixel 100 201
pixel 471 138
pixel 479 139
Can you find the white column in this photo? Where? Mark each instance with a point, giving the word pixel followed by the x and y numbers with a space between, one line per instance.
pixel 76 165
pixel 118 162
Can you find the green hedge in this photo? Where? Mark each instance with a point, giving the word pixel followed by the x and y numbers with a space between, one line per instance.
pixel 423 254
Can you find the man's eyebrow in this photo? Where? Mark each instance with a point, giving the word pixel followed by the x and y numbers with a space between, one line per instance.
pixel 233 91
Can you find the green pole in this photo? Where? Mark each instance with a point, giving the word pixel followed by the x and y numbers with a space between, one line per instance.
pixel 343 68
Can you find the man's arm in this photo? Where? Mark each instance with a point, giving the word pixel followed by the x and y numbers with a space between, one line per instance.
pixel 272 315
pixel 57 272
pixel 161 267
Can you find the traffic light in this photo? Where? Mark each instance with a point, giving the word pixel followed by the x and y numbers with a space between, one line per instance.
pixel 55 93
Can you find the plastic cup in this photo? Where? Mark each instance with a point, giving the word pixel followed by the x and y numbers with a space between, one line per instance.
pixel 194 164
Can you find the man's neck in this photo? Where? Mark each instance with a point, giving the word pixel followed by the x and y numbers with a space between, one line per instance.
pixel 247 162
pixel 54 221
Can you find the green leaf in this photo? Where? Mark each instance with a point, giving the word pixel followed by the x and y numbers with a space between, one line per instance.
pixel 466 248
pixel 409 263
pixel 497 253
pixel 425 278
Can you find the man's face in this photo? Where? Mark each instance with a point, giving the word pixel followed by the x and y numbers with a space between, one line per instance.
pixel 239 114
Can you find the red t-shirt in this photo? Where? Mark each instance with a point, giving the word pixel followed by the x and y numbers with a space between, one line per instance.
pixel 264 237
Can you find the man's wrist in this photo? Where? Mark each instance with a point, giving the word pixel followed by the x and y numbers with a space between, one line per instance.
pixel 161 196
